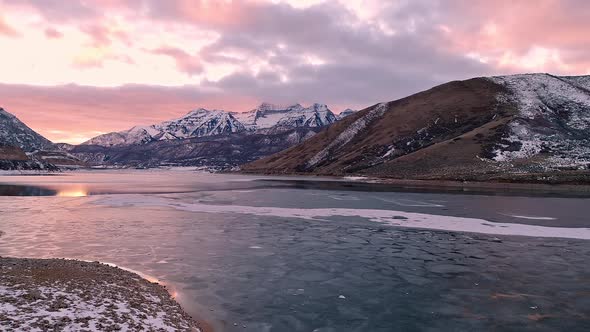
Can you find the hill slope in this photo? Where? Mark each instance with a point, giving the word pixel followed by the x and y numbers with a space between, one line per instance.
pixel 474 129
pixel 21 148
pixel 15 133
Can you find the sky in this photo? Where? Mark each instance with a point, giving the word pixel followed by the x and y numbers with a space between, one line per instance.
pixel 75 69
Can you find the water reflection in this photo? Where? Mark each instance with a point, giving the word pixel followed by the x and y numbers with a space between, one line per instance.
pixel 76 191
pixel 15 190
pixel 65 191
pixel 92 183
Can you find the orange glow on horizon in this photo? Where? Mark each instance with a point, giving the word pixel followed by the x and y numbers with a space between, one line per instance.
pixel 72 192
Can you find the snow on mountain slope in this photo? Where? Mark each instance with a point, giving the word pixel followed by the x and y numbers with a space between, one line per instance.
pixel 200 123
pixel 15 133
pixel 203 123
pixel 197 123
pixel 348 134
pixel 483 128
pixel 346 113
pixel 580 81
pixel 267 116
pixel 553 118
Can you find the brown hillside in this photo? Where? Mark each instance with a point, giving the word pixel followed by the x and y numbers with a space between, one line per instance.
pixel 446 128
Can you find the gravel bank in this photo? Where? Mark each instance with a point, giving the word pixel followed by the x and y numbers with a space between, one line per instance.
pixel 70 295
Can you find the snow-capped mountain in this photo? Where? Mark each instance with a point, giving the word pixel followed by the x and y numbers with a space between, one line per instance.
pixel 205 123
pixel 268 116
pixel 200 123
pixel 15 133
pixel 197 123
pixel 346 113
pixel 504 127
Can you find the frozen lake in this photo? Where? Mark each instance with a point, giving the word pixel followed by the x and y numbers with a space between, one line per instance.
pixel 250 253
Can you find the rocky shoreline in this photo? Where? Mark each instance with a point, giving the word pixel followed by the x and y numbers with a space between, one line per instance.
pixel 72 295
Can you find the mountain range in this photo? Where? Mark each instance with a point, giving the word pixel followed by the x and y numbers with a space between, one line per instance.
pixel 508 128
pixel 266 118
pixel 212 138
pixel 529 127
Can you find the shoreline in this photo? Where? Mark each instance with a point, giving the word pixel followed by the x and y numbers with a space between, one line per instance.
pixel 516 185
pixel 491 185
pixel 470 186
pixel 65 293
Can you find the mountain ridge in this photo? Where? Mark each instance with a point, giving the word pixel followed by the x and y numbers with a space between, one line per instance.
pixel 477 128
pixel 16 133
pixel 22 148
pixel 202 123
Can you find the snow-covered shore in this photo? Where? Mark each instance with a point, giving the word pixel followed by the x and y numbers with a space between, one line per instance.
pixel 71 295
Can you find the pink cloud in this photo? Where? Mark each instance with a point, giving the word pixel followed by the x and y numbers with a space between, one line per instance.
pixel 53 33
pixel 7 30
pixel 185 62
pixel 102 35
pixel 519 29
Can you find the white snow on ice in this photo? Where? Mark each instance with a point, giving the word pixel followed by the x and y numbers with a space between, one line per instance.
pixel 390 217
pixel 528 217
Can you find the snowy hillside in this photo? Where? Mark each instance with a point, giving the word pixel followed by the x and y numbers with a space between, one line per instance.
pixel 503 127
pixel 205 123
pixel 553 119
pixel 15 133
pixel 197 123
pixel 346 113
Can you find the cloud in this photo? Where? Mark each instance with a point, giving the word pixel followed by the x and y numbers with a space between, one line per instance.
pixel 102 35
pixel 7 30
pixel 53 33
pixel 58 10
pixel 548 35
pixel 234 54
pixel 185 62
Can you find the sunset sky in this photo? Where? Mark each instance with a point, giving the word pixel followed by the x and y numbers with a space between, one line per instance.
pixel 74 69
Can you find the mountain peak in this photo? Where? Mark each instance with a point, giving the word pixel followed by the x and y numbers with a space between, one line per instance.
pixel 267 106
pixel 319 107
pixel 346 113
pixel 200 111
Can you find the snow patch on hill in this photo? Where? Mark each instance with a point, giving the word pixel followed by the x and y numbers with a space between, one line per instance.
pixel 553 119
pixel 346 113
pixel 348 134
pixel 15 133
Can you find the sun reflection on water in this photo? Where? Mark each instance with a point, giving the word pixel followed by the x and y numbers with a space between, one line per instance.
pixel 72 192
